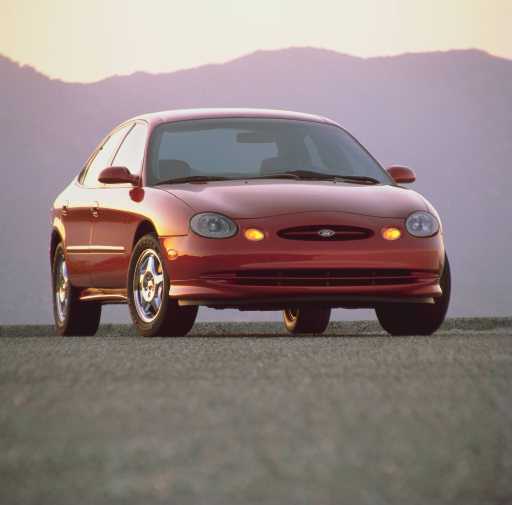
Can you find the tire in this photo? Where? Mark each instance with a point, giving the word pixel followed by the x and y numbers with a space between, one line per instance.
pixel 72 317
pixel 152 311
pixel 300 320
pixel 417 319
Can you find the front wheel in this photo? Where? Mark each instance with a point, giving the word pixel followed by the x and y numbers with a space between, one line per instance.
pixel 72 317
pixel 152 311
pixel 306 319
pixel 414 318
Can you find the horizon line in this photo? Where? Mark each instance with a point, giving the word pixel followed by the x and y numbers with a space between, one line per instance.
pixel 252 53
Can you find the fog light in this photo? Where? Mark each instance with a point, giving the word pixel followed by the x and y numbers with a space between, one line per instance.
pixel 254 234
pixel 391 233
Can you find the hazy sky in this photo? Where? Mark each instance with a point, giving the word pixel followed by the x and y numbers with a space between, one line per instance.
pixel 86 40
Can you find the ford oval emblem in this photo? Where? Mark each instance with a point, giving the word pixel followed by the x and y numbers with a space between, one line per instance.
pixel 326 233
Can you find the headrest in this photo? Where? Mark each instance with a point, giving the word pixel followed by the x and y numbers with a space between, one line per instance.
pixel 274 165
pixel 173 169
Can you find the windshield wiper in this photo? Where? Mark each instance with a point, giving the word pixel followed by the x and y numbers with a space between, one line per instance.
pixel 358 178
pixel 311 175
pixel 292 174
pixel 192 178
pixel 283 175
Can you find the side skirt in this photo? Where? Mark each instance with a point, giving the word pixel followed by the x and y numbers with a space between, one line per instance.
pixel 105 296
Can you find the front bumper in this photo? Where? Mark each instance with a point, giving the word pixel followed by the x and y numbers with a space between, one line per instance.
pixel 275 272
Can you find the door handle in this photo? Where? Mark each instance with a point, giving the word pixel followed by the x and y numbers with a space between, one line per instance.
pixel 65 208
pixel 95 209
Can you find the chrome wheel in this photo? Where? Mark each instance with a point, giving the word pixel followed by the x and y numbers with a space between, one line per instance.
pixel 61 288
pixel 148 286
pixel 306 319
pixel 292 314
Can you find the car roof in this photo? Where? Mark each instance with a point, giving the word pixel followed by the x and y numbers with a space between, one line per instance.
pixel 168 116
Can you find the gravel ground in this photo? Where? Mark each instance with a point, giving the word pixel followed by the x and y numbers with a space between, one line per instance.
pixel 241 414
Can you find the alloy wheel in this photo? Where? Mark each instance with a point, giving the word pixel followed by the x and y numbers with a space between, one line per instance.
pixel 148 286
pixel 62 289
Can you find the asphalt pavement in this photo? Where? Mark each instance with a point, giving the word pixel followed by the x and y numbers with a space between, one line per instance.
pixel 250 416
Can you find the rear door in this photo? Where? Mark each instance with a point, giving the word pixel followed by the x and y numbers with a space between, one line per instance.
pixel 81 210
pixel 77 220
pixel 118 215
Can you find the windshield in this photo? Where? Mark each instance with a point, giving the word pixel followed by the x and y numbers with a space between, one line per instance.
pixel 241 148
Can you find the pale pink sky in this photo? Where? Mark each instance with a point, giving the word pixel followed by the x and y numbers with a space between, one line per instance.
pixel 86 40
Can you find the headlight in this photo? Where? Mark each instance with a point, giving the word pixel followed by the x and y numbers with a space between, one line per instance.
pixel 212 225
pixel 422 224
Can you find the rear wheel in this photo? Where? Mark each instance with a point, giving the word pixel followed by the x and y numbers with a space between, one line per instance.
pixel 415 318
pixel 152 311
pixel 72 317
pixel 306 319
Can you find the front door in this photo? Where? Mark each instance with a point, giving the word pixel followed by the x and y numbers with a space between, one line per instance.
pixel 113 230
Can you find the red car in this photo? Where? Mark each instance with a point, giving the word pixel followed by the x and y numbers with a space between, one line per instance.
pixel 248 209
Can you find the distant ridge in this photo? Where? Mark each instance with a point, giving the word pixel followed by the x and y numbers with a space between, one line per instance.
pixel 446 114
pixel 257 53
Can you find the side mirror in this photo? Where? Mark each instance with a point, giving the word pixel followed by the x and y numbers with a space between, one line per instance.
pixel 117 175
pixel 402 175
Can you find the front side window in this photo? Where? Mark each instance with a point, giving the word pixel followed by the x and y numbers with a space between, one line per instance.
pixel 241 148
pixel 131 152
pixel 103 156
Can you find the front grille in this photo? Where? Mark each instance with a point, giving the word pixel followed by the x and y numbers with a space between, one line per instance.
pixel 317 233
pixel 321 277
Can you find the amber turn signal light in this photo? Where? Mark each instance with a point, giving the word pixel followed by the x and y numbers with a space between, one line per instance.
pixel 391 233
pixel 171 252
pixel 254 234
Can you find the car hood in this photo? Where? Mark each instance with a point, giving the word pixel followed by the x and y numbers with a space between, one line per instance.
pixel 250 199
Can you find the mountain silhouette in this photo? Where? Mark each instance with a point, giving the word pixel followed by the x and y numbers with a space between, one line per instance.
pixel 445 114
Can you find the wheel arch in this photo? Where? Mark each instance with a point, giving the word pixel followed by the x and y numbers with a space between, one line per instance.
pixel 55 239
pixel 145 227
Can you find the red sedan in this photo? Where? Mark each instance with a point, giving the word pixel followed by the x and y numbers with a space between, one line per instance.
pixel 247 209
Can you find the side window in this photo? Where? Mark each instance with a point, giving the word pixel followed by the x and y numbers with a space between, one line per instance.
pixel 103 156
pixel 131 152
